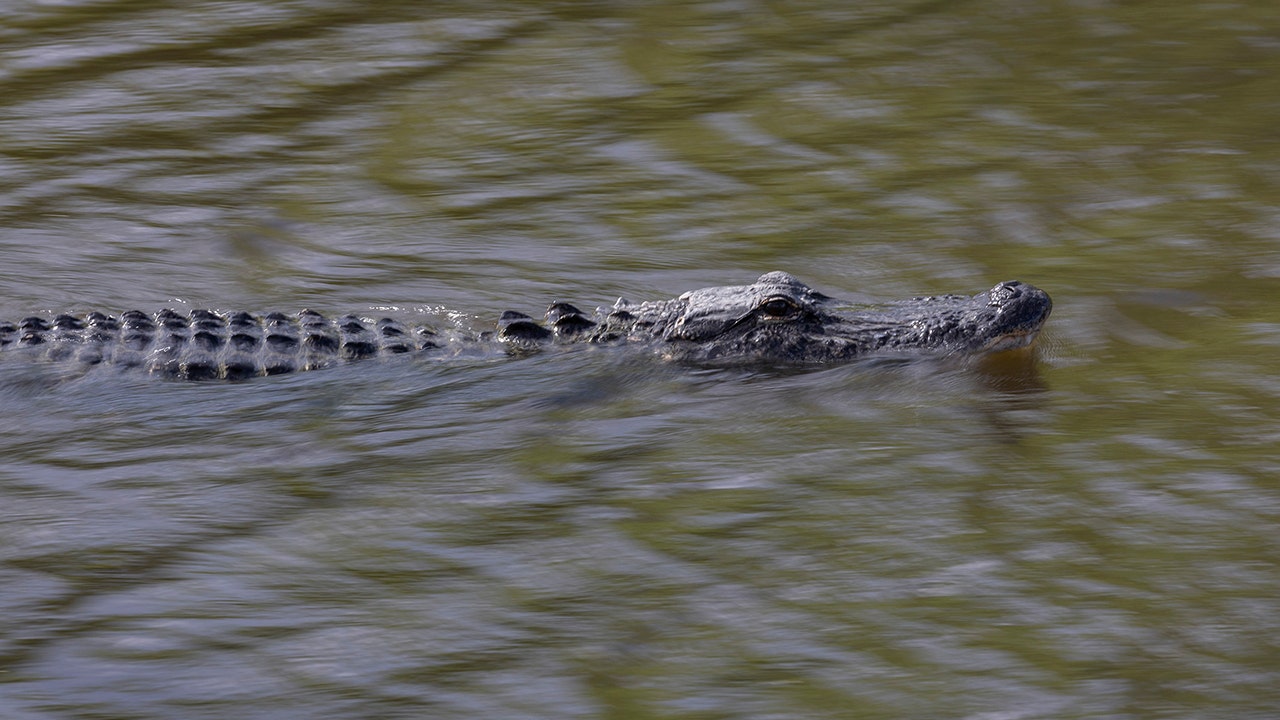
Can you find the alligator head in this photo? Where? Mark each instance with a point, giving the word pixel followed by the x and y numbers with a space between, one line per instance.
pixel 779 319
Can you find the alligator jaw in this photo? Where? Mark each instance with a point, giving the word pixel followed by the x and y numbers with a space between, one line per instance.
pixel 780 321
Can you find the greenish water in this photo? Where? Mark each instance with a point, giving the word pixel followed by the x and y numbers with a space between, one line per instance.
pixel 1087 532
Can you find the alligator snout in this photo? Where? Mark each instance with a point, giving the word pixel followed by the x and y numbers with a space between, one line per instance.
pixel 1010 290
pixel 1020 295
pixel 1020 312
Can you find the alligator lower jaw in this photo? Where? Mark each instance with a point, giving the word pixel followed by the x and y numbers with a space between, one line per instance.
pixel 1010 341
pixel 827 350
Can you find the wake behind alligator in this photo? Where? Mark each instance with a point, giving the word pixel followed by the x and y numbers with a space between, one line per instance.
pixel 777 320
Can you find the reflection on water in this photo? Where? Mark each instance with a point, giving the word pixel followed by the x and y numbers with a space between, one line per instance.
pixel 1080 531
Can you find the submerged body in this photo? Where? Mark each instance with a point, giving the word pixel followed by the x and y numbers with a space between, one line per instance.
pixel 777 320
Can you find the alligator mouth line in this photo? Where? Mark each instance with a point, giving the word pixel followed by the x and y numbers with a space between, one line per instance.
pixel 1015 340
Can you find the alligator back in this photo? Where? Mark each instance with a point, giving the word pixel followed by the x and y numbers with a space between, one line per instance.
pixel 205 345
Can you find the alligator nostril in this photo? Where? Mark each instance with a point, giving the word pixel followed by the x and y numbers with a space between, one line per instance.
pixel 1005 291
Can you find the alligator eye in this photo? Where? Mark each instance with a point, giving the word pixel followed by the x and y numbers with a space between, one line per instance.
pixel 777 307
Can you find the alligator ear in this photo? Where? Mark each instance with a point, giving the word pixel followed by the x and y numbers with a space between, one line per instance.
pixel 518 326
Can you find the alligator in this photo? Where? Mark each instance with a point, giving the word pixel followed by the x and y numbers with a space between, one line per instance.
pixel 777 320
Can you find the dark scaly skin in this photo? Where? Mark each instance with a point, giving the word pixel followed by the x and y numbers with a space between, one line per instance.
pixel 776 320
pixel 205 345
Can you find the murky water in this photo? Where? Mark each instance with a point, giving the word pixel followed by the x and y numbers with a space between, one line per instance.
pixel 1089 532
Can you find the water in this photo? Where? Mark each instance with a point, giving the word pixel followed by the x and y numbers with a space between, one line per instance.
pixel 1085 532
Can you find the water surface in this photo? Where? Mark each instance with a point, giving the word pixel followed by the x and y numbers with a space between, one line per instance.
pixel 1082 532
